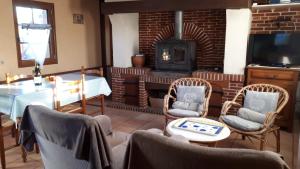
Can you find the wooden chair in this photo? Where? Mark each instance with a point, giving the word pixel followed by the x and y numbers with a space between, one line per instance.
pixel 73 89
pixel 99 73
pixel 6 124
pixel 268 124
pixel 171 96
pixel 9 78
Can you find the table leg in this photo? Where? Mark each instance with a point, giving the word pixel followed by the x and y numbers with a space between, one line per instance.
pixel 24 154
pixel 102 104
pixel 2 150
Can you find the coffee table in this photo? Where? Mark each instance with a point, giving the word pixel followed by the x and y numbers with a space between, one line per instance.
pixel 194 137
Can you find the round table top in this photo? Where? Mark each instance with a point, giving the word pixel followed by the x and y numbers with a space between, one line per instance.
pixel 198 137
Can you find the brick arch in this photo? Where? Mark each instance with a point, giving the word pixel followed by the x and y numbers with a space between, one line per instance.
pixel 205 46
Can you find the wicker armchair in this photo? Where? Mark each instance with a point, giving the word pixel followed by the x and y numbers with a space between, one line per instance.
pixel 270 117
pixel 171 96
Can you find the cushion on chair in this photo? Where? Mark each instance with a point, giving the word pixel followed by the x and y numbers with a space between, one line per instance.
pixel 241 124
pixel 261 102
pixel 191 94
pixel 251 115
pixel 185 106
pixel 188 106
pixel 183 113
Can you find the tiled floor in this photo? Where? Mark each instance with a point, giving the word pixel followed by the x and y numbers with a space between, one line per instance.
pixel 129 121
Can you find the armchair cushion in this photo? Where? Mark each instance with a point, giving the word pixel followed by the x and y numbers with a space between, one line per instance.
pixel 241 124
pixel 191 94
pixel 251 115
pixel 183 113
pixel 188 106
pixel 262 102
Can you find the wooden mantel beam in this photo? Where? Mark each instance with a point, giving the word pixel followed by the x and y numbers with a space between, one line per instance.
pixel 170 5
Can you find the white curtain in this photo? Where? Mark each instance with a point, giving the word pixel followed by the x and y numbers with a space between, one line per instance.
pixel 36 42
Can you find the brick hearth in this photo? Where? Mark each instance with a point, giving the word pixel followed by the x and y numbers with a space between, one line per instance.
pixel 229 85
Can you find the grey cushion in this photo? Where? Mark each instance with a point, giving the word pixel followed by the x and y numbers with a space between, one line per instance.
pixel 241 124
pixel 191 94
pixel 251 115
pixel 188 106
pixel 185 105
pixel 184 113
pixel 262 102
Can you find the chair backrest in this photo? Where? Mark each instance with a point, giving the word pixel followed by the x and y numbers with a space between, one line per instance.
pixel 67 92
pixel 192 82
pixel 152 151
pixel 283 94
pixel 92 72
pixel 9 78
pixel 53 154
pixel 66 141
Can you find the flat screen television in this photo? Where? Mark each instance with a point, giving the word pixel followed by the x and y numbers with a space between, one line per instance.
pixel 277 49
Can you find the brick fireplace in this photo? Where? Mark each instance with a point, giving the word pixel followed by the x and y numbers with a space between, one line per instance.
pixel 133 87
pixel 205 27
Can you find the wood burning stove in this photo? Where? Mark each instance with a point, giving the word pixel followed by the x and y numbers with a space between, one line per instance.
pixel 175 55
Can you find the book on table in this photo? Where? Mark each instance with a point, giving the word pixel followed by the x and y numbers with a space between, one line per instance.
pixel 199 126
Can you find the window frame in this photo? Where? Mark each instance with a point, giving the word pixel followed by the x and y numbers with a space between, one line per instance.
pixel 52 39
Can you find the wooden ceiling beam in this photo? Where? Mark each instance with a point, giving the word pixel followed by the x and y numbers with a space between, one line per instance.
pixel 171 5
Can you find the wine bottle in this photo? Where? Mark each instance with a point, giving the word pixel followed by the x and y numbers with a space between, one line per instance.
pixel 37 75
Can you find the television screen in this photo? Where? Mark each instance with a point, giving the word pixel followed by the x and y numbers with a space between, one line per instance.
pixel 280 49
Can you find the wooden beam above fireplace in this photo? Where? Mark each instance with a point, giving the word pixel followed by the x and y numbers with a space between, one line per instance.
pixel 170 5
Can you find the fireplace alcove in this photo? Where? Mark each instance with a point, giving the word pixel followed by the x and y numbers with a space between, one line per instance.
pixel 206 28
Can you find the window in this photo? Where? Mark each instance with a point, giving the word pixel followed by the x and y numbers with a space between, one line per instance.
pixel 35 32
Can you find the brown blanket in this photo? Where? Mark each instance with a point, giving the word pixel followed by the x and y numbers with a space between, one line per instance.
pixel 151 151
pixel 81 134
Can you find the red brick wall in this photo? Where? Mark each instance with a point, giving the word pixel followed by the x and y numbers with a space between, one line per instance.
pixel 265 21
pixel 210 26
pixel 233 83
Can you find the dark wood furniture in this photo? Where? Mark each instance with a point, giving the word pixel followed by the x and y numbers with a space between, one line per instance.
pixel 283 77
pixel 7 125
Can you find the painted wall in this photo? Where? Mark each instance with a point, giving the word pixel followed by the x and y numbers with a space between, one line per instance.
pixel 77 44
pixel 237 32
pixel 125 35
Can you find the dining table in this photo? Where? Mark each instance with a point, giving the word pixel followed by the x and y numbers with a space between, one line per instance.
pixel 14 97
